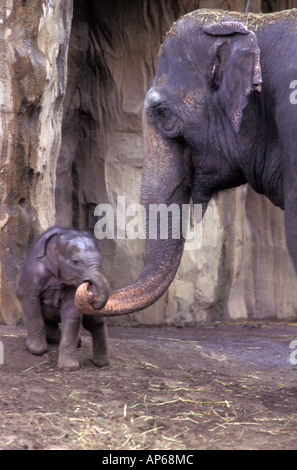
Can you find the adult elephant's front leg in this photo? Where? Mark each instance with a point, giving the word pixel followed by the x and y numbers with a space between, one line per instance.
pixel 98 329
pixel 71 320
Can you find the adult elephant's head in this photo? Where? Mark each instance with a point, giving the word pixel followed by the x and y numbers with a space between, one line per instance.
pixel 193 140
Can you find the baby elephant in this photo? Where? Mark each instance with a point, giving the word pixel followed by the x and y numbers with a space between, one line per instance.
pixel 58 262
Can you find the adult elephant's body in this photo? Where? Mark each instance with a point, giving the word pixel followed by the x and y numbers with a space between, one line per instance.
pixel 219 114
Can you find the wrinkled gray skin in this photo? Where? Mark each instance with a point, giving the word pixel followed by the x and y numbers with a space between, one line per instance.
pixel 58 262
pixel 218 115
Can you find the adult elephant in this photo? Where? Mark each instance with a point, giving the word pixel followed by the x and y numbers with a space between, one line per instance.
pixel 220 113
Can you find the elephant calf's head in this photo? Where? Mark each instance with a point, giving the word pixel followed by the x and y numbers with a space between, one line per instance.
pixel 74 257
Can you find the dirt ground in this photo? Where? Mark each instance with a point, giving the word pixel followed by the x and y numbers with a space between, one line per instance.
pixel 217 386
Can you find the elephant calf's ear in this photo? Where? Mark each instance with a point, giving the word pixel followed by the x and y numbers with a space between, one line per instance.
pixel 47 254
pixel 235 67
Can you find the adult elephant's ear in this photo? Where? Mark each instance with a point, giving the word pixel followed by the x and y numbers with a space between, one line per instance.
pixel 235 67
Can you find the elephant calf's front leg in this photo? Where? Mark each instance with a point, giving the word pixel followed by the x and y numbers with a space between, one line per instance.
pixel 70 330
pixel 36 336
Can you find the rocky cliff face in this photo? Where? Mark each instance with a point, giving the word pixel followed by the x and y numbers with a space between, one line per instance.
pixel 34 43
pixel 65 150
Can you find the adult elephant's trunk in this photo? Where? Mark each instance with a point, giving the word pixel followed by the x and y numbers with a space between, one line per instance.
pixel 164 181
pixel 150 285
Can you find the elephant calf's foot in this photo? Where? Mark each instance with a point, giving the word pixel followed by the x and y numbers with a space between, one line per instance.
pixel 68 364
pixel 37 347
pixel 101 361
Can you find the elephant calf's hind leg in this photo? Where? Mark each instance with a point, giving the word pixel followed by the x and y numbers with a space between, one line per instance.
pixel 53 333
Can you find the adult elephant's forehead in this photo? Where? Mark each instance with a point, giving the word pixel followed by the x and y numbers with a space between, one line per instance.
pixel 202 17
pixel 183 51
pixel 196 20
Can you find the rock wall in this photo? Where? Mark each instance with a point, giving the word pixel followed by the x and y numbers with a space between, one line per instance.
pixel 34 42
pixel 65 150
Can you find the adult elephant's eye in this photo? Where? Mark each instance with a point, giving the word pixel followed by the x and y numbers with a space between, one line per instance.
pixel 167 119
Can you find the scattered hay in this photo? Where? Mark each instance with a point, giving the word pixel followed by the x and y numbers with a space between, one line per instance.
pixel 155 399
